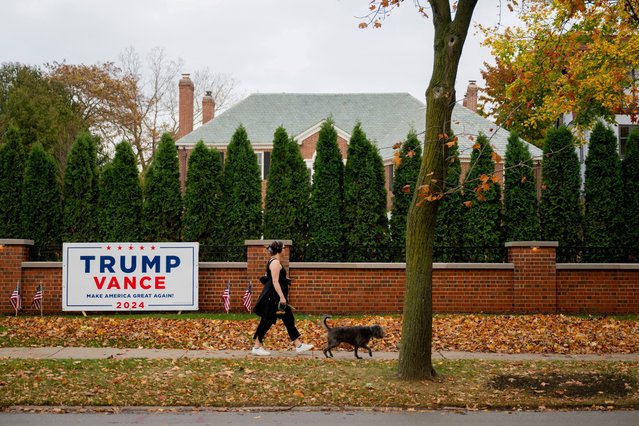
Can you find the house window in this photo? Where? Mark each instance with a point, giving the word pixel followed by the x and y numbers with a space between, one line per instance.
pixel 264 163
pixel 624 133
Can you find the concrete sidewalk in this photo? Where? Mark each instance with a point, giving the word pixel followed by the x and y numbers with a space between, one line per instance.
pixel 117 353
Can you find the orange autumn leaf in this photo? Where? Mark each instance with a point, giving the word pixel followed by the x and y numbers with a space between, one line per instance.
pixel 468 203
pixel 406 189
pixel 496 157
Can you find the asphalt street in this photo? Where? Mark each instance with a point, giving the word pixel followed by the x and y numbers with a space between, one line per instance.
pixel 327 418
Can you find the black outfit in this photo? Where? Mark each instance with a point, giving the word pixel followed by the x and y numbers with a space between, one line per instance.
pixel 266 306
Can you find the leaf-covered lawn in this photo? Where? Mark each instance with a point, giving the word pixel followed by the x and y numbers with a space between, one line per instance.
pixel 473 333
pixel 312 382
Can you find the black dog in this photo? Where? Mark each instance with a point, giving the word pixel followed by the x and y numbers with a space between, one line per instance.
pixel 357 336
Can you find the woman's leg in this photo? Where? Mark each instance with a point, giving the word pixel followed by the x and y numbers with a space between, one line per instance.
pixel 289 323
pixel 262 328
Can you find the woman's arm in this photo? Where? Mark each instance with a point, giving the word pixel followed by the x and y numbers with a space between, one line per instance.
pixel 276 267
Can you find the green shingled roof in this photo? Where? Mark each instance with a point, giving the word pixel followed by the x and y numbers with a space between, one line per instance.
pixel 386 118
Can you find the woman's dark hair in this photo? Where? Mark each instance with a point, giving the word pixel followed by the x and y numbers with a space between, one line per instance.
pixel 275 247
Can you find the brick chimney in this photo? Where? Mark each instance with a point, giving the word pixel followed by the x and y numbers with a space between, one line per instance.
pixel 186 90
pixel 208 107
pixel 470 100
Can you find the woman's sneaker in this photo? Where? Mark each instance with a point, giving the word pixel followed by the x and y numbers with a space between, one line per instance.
pixel 303 348
pixel 260 351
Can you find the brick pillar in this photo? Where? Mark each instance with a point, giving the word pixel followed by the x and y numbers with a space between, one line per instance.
pixel 257 256
pixel 535 275
pixel 12 254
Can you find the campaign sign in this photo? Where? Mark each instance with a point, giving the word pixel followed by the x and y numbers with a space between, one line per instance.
pixel 130 276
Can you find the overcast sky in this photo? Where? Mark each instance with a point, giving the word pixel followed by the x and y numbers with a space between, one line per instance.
pixel 295 46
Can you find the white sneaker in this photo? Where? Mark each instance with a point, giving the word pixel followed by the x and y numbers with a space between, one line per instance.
pixel 260 351
pixel 303 348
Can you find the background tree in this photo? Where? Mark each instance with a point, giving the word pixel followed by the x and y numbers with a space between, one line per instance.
pixel 451 23
pixel 449 230
pixel 162 207
pixel 482 193
pixel 103 95
pixel 585 52
pixel 203 197
pixel 242 191
pixel 326 212
pixel 81 191
pixel 365 219
pixel 560 208
pixel 12 163
pixel 287 194
pixel 42 201
pixel 630 178
pixel 603 218
pixel 41 108
pixel 120 200
pixel 404 178
pixel 521 216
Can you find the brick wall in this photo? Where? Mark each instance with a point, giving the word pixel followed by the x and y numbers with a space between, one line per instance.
pixel 530 282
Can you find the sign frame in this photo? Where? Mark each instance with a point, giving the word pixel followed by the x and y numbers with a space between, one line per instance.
pixel 125 277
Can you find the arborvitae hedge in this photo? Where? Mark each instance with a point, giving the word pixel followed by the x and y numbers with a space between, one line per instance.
pixel 560 208
pixel 42 200
pixel 326 229
pixel 121 197
pixel 482 221
pixel 365 219
pixel 603 197
pixel 242 191
pixel 449 229
pixel 630 177
pixel 521 208
pixel 81 190
pixel 300 195
pixel 406 173
pixel 287 194
pixel 203 197
pixel 12 163
pixel 162 207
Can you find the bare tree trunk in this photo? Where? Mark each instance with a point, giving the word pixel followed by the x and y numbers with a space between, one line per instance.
pixel 415 351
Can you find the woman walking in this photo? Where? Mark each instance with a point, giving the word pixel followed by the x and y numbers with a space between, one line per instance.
pixel 272 304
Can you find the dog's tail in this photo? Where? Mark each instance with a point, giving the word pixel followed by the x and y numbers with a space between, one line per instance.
pixel 326 325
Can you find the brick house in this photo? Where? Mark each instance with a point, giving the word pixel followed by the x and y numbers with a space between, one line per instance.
pixel 385 117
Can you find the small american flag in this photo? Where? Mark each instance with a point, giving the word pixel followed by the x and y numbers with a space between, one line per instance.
pixel 37 299
pixel 16 299
pixel 248 296
pixel 226 297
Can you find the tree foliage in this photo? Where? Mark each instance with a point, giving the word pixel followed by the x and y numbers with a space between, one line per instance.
pixel 162 207
pixel 242 191
pixel 203 196
pixel 365 219
pixel 603 196
pixel 404 179
pixel 120 200
pixel 449 230
pixel 482 194
pixel 42 200
pixel 287 193
pixel 521 215
pixel 560 209
pixel 630 178
pixel 585 52
pixel 81 190
pixel 42 109
pixel 12 164
pixel 326 213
